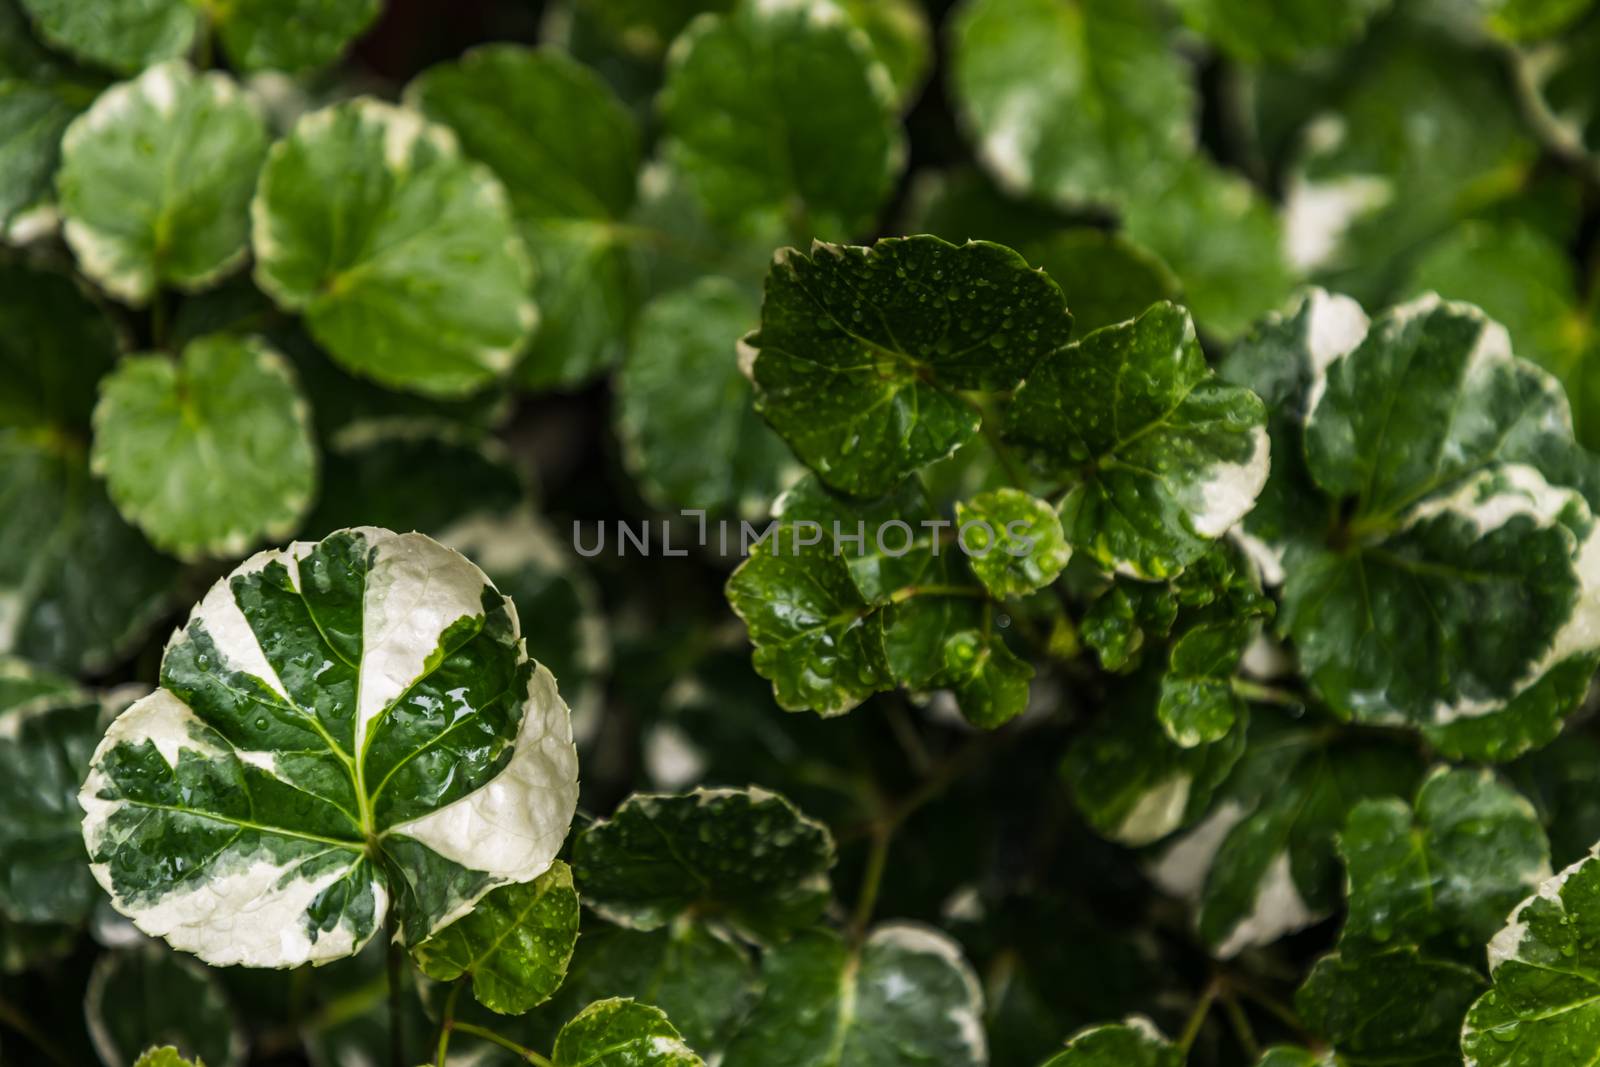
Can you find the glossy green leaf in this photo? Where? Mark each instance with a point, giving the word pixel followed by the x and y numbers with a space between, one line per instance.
pixel 156 178
pixel 745 855
pixel 1171 458
pixel 1261 863
pixel 1074 103
pixel 165 1056
pixel 622 1033
pixel 1134 1043
pixel 684 414
pixel 861 350
pixel 1013 541
pixel 1289 1056
pixel 1397 1006
pixel 1457 594
pixel 1222 239
pixel 905 997
pixel 289 35
pixel 514 944
pixel 46 738
pixel 207 454
pixel 989 680
pixel 1446 871
pixel 568 152
pixel 343 727
pixel 402 256
pixel 780 110
pixel 1529 19
pixel 1198 703
pixel 1252 30
pixel 1542 1008
pixel 33 116
pixel 124 35
pixel 148 996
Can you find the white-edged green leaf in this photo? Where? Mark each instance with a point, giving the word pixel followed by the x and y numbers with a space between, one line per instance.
pixel 147 995
pixel 1445 871
pixel 568 151
pixel 47 734
pixel 906 996
pixel 402 256
pixel 746 856
pixel 209 453
pixel 1544 1007
pixel 1197 702
pixel 684 412
pixel 1394 1006
pixel 123 35
pixel 901 39
pixel 780 110
pixel 1072 103
pixel 1134 1042
pixel 622 1033
pixel 1253 30
pixel 861 350
pixel 1013 541
pixel 1261 863
pixel 514 944
pixel 1170 456
pixel 343 727
pixel 1459 591
pixel 155 181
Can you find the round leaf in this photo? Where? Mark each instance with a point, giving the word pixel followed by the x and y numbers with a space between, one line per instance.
pixel 1013 541
pixel 1252 30
pixel 621 1033
pixel 746 855
pixel 343 727
pixel 1134 1043
pixel 780 110
pixel 290 35
pixel 209 453
pixel 1398 1006
pixel 401 255
pixel 124 35
pixel 156 178
pixel 515 943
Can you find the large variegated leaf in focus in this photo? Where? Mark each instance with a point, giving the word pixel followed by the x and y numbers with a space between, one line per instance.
pixel 1132 1043
pixel 904 996
pixel 779 110
pixel 568 151
pixel 207 453
pixel 1261 862
pixel 1166 457
pixel 48 730
pixel 128 35
pixel 622 1033
pixel 1544 1007
pixel 1455 583
pixel 862 351
pixel 1074 103
pixel 156 178
pixel 344 727
pixel 401 255
pixel 747 856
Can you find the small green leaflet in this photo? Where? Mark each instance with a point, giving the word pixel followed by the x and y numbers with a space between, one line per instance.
pixel 128 35
pixel 1169 457
pixel 906 996
pixel 862 352
pixel 622 1033
pixel 1252 30
pixel 209 453
pixel 991 682
pixel 48 729
pixel 156 178
pixel 1459 594
pixel 343 727
pixel 1261 863
pixel 1395 1006
pixel 1544 1006
pixel 165 1056
pixel 1133 1043
pixel 747 856
pixel 779 110
pixel 690 435
pixel 1068 102
pixel 402 256
pixel 1198 703
pixel 1013 541
pixel 1445 872
pixel 515 943
pixel 568 152
pixel 149 995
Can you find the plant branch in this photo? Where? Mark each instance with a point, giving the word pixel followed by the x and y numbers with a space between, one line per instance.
pixel 872 880
pixel 1240 1022
pixel 483 1033
pixel 1197 1018
pixel 447 1023
pixel 1545 124
pixel 395 971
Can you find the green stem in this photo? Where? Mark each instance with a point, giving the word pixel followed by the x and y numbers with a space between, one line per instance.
pixel 1240 1023
pixel 1267 694
pixel 447 1023
pixel 900 596
pixel 1197 1018
pixel 395 962
pixel 872 881
pixel 485 1034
